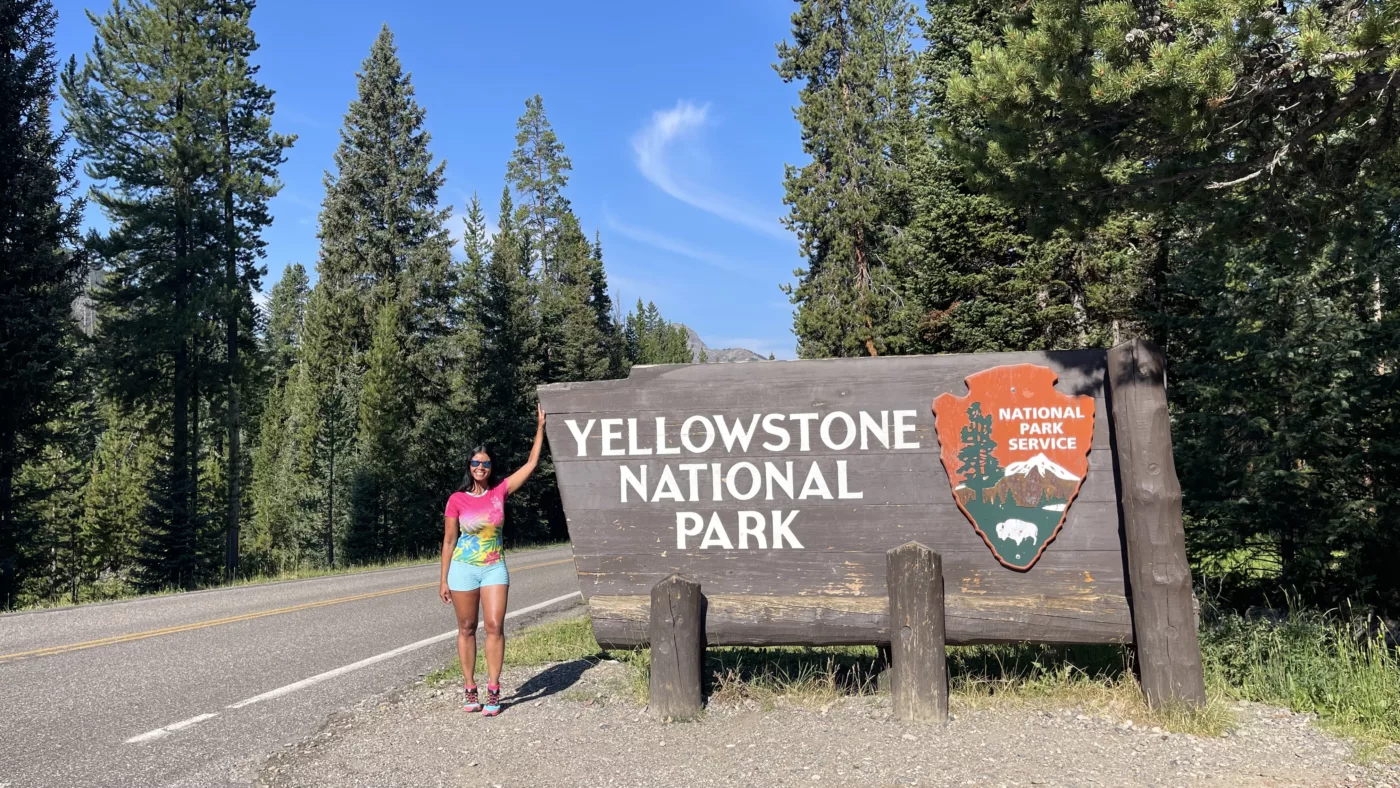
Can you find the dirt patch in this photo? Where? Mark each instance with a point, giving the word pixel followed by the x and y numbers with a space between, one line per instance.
pixel 577 723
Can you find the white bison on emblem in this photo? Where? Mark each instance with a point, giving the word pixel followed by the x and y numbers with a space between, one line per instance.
pixel 1014 530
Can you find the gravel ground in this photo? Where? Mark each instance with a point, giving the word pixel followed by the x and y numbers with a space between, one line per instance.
pixel 575 724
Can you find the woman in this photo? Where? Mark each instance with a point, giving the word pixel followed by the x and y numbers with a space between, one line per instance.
pixel 473 570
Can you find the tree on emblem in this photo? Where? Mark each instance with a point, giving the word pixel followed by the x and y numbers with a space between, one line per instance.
pixel 978 463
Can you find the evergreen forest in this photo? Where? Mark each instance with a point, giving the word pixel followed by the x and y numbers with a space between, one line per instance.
pixel 1221 177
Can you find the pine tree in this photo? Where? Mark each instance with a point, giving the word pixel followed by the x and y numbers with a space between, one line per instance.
pixel 120 475
pixel 578 311
pixel 856 65
pixel 384 239
pixel 605 311
pixel 249 157
pixel 1256 147
pixel 42 269
pixel 323 404
pixel 652 340
pixel 144 112
pixel 286 316
pixel 380 219
pixel 539 171
pixel 380 506
pixel 50 493
pixel 476 248
pixel 275 503
pixel 978 460
pixel 510 369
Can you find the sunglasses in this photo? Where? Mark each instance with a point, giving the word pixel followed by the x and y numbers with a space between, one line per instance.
pixel 482 463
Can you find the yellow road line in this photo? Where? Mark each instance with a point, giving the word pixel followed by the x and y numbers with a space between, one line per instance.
pixel 150 633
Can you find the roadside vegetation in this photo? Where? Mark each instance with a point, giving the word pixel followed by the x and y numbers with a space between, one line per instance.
pixel 118 591
pixel 1327 665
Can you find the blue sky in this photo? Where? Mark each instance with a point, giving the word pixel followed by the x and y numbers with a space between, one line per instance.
pixel 676 123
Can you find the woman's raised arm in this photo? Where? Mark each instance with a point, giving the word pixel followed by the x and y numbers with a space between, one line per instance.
pixel 518 478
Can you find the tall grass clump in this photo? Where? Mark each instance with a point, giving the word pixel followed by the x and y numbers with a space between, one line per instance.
pixel 1342 669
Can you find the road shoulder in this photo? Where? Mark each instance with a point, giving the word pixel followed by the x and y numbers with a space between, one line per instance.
pixel 577 723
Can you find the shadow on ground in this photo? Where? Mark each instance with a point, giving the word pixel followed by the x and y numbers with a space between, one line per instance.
pixel 552 680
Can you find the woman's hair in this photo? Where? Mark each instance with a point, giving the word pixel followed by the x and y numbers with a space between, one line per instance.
pixel 469 483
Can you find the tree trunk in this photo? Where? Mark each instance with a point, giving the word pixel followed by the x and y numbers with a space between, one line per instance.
pixel 178 568
pixel 235 467
pixel 9 525
pixel 330 497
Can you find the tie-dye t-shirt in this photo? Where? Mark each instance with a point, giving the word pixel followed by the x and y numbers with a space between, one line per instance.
pixel 479 519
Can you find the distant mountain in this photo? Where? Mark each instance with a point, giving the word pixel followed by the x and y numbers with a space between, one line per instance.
pixel 1026 482
pixel 720 355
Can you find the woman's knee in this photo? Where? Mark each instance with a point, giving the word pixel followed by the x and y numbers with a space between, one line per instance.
pixel 493 627
pixel 467 628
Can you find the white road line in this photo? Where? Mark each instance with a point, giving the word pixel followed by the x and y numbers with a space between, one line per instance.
pixel 169 729
pixel 364 663
pixel 330 674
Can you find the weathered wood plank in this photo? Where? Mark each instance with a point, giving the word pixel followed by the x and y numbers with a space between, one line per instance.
pixel 689 386
pixel 823 574
pixel 1077 598
pixel 631 429
pixel 919 662
pixel 752 620
pixel 885 478
pixel 836 528
pixel 1169 653
pixel 677 648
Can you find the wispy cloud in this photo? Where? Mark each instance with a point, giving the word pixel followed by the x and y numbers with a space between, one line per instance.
pixel 298 200
pixel 667 244
pixel 654 146
pixel 627 290
pixel 302 119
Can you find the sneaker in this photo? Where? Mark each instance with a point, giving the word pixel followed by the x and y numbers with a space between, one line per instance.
pixel 472 703
pixel 493 702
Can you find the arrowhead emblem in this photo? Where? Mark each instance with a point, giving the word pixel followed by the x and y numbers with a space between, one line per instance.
pixel 1016 452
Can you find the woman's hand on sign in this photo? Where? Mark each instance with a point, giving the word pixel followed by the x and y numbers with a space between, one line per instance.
pixel 539 410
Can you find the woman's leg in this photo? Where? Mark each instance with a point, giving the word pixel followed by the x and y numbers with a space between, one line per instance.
pixel 465 604
pixel 493 615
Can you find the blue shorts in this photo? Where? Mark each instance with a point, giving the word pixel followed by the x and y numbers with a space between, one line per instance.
pixel 462 576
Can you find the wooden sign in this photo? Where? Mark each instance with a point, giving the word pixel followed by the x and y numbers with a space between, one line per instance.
pixel 1016 452
pixel 780 488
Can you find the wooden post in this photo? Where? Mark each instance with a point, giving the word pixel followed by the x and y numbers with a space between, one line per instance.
pixel 1159 579
pixel 677 648
pixel 919 673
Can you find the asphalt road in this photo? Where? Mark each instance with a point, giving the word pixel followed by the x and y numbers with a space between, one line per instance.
pixel 196 689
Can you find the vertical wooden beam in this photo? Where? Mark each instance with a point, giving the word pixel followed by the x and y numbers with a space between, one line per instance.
pixel 1159 578
pixel 677 648
pixel 919 670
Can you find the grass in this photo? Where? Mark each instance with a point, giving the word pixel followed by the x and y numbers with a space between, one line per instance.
pixel 1309 662
pixel 564 640
pixel 120 592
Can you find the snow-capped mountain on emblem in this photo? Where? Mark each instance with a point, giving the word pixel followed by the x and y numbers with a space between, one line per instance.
pixel 1016 452
pixel 1042 464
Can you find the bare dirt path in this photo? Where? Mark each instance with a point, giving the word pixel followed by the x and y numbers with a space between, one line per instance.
pixel 575 724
